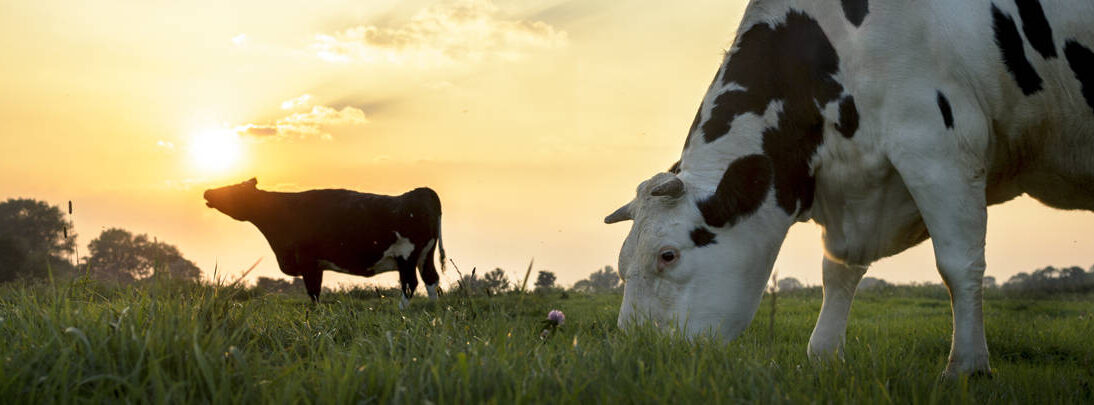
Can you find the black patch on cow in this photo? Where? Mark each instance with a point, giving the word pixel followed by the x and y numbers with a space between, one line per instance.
pixel 741 191
pixel 848 117
pixel 1036 27
pixel 947 112
pixel 702 237
pixel 675 168
pixel 855 10
pixel 1014 54
pixel 792 62
pixel 1081 61
pixel 694 126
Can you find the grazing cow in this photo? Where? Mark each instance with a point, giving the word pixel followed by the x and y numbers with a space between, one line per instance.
pixel 342 230
pixel 884 121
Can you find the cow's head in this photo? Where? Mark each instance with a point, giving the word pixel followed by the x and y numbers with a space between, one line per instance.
pixel 235 200
pixel 705 235
pixel 682 272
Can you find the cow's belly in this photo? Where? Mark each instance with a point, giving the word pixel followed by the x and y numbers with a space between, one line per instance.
pixel 385 264
pixel 400 249
pixel 864 208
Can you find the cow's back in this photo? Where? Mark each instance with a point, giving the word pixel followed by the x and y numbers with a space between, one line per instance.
pixel 1024 73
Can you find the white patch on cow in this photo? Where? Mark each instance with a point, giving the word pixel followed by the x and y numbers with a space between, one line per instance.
pixel 733 86
pixel 432 290
pixel 704 170
pixel 401 249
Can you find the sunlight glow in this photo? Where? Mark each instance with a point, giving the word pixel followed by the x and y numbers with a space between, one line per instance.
pixel 215 150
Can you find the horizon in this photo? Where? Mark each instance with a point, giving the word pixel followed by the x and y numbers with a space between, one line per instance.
pixel 531 120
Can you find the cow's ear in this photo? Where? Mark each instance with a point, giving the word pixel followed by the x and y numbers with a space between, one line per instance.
pixel 670 186
pixel 253 182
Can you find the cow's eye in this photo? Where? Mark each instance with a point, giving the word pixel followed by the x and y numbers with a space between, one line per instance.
pixel 667 256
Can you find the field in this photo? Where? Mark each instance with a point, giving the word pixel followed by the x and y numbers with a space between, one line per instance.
pixel 168 342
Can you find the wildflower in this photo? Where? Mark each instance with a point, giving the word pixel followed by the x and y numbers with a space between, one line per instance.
pixel 555 318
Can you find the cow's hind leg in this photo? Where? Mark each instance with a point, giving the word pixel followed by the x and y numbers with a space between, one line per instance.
pixel 840 282
pixel 942 171
pixel 957 222
pixel 408 281
pixel 429 270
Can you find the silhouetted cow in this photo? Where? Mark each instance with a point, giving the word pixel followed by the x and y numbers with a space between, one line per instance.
pixel 342 230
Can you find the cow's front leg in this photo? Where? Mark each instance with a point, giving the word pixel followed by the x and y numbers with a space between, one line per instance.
pixel 313 281
pixel 840 282
pixel 949 193
pixel 408 281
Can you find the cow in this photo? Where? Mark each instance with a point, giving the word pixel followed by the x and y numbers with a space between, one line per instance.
pixel 886 122
pixel 342 230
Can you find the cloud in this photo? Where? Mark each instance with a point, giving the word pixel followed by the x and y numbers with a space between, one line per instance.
pixel 295 103
pixel 240 40
pixel 315 123
pixel 451 32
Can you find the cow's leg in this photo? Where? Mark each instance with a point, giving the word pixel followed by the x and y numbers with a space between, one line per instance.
pixel 840 282
pixel 957 223
pixel 429 270
pixel 942 171
pixel 408 281
pixel 313 281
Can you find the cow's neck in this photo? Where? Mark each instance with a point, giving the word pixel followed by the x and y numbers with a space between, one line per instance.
pixel 767 99
pixel 269 212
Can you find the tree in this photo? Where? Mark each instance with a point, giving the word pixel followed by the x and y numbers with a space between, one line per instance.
pixel 545 281
pixel 168 262
pixel 602 280
pixel 279 285
pixel 496 282
pixel 989 282
pixel 121 256
pixel 32 239
pixel 1051 280
pixel 868 283
pixel 789 284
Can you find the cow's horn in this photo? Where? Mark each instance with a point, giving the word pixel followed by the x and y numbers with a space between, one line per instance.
pixel 673 187
pixel 620 215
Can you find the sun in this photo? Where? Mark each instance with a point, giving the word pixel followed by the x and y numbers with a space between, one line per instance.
pixel 215 150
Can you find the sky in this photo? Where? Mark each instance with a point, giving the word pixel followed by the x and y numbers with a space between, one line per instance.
pixel 532 120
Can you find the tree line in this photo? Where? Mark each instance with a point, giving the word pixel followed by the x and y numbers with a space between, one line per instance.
pixel 37 241
pixel 496 282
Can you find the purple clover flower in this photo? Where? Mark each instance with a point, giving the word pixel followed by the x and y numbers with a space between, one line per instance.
pixel 556 316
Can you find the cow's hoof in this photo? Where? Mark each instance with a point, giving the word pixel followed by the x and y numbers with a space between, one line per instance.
pixel 825 354
pixel 953 374
pixel 404 303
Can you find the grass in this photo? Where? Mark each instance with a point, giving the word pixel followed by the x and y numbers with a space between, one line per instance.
pixel 165 343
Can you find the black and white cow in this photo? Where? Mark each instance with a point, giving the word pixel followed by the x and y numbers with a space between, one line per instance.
pixel 884 121
pixel 342 230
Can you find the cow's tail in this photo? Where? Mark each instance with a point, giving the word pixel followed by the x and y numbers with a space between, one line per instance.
pixel 440 244
pixel 440 239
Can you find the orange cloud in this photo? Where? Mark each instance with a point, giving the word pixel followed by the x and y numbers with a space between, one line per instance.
pixel 306 125
pixel 461 31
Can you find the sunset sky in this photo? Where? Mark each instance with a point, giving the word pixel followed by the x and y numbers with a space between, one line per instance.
pixel 531 119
